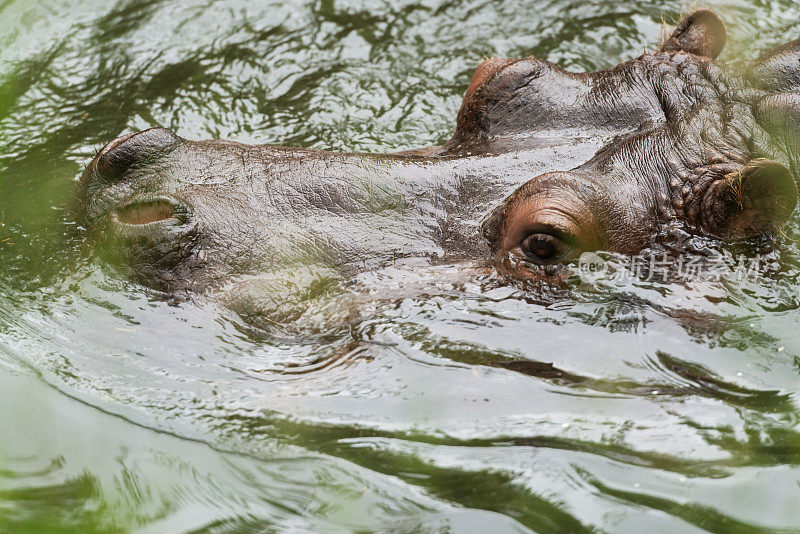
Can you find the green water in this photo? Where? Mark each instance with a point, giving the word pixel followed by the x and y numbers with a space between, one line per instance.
pixel 626 408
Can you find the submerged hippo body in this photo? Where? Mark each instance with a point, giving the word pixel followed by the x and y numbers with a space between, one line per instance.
pixel 544 165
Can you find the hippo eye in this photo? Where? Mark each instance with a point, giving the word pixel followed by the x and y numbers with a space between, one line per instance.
pixel 543 247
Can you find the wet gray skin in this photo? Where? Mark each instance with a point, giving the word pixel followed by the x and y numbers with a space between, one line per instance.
pixel 668 137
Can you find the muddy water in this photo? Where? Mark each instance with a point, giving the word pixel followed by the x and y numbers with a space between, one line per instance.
pixel 465 406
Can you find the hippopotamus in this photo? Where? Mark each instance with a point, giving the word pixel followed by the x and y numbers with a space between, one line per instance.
pixel 544 165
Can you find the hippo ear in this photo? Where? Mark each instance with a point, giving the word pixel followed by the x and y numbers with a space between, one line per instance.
pixel 701 33
pixel 497 101
pixel 756 200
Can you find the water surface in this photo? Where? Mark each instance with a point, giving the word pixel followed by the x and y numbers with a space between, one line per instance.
pixel 465 406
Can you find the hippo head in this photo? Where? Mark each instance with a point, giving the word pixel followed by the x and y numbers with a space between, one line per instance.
pixel 687 140
pixel 712 148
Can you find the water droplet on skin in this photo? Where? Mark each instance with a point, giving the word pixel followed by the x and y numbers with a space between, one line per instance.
pixel 654 392
pixel 780 349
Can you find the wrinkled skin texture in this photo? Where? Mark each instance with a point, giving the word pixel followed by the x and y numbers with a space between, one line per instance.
pixel 544 164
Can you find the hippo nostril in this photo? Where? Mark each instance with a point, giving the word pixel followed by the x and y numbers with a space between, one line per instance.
pixel 131 150
pixel 141 213
pixel 112 161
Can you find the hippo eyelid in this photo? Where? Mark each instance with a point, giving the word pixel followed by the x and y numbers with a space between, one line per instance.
pixel 550 229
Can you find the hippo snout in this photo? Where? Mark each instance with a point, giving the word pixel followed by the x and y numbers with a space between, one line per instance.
pixel 116 180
